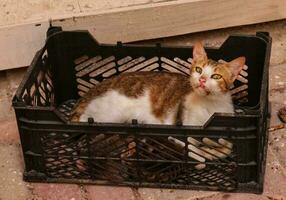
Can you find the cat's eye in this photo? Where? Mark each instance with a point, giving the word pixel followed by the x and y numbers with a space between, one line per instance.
pixel 199 70
pixel 216 76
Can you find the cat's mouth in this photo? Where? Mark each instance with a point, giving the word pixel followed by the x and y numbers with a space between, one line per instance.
pixel 202 90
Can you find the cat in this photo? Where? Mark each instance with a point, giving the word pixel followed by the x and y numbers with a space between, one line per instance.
pixel 167 98
pixel 163 97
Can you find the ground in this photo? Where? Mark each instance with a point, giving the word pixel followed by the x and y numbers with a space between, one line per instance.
pixel 13 188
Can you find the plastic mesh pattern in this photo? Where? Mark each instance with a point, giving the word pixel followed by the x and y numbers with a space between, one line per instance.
pixel 40 92
pixel 91 71
pixel 120 157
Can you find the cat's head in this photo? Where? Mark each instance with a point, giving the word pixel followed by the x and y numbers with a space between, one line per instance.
pixel 209 77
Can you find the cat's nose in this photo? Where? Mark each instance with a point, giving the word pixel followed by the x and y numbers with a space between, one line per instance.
pixel 202 80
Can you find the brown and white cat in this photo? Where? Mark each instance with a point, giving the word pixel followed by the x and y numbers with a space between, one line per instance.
pixel 163 97
pixel 166 98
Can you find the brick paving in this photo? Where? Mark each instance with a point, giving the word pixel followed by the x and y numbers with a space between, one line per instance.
pixel 11 163
pixel 110 193
pixel 11 170
pixel 170 194
pixel 51 191
pixel 9 132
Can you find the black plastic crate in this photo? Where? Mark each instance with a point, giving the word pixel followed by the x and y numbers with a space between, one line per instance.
pixel 56 150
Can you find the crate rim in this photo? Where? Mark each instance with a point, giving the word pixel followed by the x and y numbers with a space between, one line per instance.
pixel 265 37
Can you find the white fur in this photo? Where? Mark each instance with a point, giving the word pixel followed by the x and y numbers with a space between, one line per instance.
pixel 204 107
pixel 207 71
pixel 198 106
pixel 118 108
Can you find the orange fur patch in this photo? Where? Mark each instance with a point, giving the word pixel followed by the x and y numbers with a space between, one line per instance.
pixel 167 90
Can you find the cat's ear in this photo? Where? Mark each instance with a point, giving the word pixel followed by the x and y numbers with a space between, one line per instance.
pixel 199 52
pixel 235 66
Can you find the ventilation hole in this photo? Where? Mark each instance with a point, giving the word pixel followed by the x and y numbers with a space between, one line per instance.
pixel 84 83
pixel 109 73
pixel 243 100
pixel 239 89
pixel 40 77
pixel 183 62
pixel 143 64
pixel 175 65
pixel 32 90
pixel 93 81
pixel 200 152
pixel 83 88
pixel 80 59
pixel 94 66
pixel 190 60
pixel 124 60
pixel 43 101
pixel 170 68
pixel 243 73
pixel 151 67
pixel 80 93
pixel 87 63
pixel 242 79
pixel 240 95
pixel 196 157
pixel 131 63
pixel 102 69
pixel 225 143
pixel 48 79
